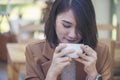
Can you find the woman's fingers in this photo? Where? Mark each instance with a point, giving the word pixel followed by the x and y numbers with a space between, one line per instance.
pixel 61 54
pixel 88 58
pixel 59 48
pixel 88 51
pixel 83 56
pixel 81 60
pixel 64 59
pixel 65 64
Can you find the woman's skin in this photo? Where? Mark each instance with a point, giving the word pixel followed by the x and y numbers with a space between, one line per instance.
pixel 65 30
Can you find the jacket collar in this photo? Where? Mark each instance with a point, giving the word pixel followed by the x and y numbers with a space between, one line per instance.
pixel 48 51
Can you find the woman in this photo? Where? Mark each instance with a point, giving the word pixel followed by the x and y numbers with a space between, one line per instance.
pixel 70 21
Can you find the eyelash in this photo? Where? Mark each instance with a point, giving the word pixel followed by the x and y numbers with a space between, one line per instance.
pixel 66 26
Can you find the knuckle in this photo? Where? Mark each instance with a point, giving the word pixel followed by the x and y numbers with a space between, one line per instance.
pixel 55 56
pixel 66 58
pixel 57 60
pixel 88 64
pixel 95 57
pixel 56 48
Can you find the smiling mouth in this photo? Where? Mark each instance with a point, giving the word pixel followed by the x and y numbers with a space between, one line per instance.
pixel 70 40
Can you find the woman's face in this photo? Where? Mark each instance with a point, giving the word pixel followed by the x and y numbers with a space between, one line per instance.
pixel 65 28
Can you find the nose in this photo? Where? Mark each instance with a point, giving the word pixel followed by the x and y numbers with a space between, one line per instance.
pixel 72 34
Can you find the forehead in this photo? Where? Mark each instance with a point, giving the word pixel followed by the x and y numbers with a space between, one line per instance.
pixel 67 15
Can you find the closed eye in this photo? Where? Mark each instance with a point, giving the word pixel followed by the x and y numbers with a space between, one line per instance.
pixel 66 26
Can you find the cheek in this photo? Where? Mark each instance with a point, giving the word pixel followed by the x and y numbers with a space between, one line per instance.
pixel 79 37
pixel 60 30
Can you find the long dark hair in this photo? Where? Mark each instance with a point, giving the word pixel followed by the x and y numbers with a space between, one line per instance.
pixel 85 18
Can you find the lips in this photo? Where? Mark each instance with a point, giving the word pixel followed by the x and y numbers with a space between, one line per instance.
pixel 71 40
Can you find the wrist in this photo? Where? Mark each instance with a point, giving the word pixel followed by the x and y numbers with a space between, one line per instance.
pixel 92 76
pixel 51 76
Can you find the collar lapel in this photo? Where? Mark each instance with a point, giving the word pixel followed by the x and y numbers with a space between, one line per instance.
pixel 48 51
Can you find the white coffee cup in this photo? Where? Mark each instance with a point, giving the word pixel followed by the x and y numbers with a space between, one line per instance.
pixel 75 47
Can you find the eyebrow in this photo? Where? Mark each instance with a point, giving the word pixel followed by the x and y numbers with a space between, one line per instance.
pixel 66 21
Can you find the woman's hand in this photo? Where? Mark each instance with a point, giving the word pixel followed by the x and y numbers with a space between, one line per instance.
pixel 59 61
pixel 88 58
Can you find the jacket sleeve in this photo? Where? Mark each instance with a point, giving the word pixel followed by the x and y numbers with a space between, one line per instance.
pixel 107 62
pixel 33 70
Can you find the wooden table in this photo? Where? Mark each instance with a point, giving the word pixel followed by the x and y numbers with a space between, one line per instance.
pixel 16 60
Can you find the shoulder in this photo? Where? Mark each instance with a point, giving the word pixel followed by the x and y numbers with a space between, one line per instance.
pixel 34 59
pixel 102 51
pixel 101 48
pixel 37 42
pixel 35 48
pixel 104 59
pixel 38 51
pixel 36 45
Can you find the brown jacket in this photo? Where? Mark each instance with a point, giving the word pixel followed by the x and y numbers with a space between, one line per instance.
pixel 39 56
